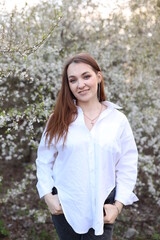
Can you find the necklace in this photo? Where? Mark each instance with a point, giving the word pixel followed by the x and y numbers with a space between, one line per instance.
pixel 93 120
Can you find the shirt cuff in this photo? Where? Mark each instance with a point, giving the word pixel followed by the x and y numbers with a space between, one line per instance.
pixel 125 196
pixel 43 189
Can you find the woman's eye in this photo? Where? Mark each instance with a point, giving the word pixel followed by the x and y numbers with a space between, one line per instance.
pixel 72 80
pixel 87 76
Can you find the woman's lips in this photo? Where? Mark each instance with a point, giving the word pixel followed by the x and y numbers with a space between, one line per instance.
pixel 83 91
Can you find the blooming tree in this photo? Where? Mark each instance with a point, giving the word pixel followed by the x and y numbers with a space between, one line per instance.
pixel 125 42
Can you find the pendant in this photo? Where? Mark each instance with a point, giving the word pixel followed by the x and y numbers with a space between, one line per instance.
pixel 92 123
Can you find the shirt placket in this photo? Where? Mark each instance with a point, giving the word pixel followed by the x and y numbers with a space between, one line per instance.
pixel 92 171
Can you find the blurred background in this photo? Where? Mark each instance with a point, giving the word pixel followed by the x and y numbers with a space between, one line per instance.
pixel 35 39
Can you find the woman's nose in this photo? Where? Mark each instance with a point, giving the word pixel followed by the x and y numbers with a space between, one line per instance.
pixel 81 84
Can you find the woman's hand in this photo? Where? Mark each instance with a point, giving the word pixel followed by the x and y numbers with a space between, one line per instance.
pixel 53 204
pixel 112 212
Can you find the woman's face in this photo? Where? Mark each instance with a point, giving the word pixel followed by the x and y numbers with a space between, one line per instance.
pixel 83 82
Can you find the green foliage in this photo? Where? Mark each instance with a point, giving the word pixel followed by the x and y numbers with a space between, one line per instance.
pixel 3 231
pixel 156 236
pixel 43 235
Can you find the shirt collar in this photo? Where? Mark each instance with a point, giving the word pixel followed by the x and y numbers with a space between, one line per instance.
pixel 111 105
pixel 106 103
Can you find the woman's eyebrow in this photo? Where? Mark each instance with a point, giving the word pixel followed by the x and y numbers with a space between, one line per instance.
pixel 81 74
pixel 84 73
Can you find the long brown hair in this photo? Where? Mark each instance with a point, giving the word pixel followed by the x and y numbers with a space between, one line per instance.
pixel 65 111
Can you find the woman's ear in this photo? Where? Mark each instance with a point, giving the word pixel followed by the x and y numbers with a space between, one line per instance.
pixel 99 75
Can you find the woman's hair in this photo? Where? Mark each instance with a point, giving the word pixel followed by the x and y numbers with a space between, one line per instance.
pixel 65 111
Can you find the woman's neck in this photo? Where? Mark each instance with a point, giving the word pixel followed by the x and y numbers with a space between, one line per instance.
pixel 90 108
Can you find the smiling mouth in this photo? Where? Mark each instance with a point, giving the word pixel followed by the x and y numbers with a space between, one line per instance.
pixel 83 91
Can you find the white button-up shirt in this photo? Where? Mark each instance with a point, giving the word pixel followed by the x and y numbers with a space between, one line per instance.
pixel 89 166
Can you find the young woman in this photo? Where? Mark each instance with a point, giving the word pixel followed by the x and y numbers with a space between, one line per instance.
pixel 87 157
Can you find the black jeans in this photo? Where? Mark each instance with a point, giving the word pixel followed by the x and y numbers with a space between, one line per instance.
pixel 66 232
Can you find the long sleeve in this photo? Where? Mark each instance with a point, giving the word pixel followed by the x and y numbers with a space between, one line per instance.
pixel 126 167
pixel 44 162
